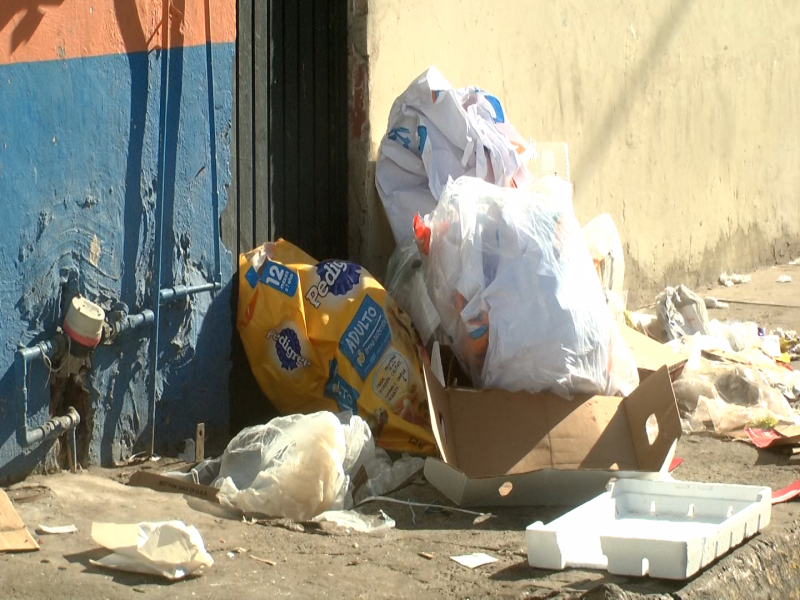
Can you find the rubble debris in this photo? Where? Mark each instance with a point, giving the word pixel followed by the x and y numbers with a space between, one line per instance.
pixel 474 560
pixel 266 561
pixel 170 549
pixel 14 536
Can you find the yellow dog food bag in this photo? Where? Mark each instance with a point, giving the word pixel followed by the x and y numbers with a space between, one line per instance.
pixel 326 336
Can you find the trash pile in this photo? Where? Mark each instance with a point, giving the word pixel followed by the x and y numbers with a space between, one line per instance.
pixel 501 345
pixel 736 376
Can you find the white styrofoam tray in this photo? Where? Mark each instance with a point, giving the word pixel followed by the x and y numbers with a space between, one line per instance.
pixel 665 529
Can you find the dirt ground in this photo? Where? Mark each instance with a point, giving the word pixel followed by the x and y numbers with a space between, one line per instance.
pixel 332 563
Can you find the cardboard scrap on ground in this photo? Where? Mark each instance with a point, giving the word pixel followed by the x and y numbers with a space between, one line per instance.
pixel 14 536
pixel 170 549
pixel 164 483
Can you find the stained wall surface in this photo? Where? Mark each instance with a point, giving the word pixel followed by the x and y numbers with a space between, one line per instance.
pixel 81 103
pixel 681 117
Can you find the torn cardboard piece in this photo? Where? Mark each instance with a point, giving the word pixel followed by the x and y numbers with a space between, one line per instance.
pixel 540 449
pixel 14 536
pixel 170 549
pixel 165 483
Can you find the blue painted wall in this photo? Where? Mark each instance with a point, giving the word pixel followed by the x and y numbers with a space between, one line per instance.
pixel 79 143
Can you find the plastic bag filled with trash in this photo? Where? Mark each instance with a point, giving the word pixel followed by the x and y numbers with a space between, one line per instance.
pixel 436 132
pixel 326 336
pixel 512 280
pixel 301 466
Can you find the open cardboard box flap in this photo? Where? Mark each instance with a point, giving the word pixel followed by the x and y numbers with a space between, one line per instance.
pixel 649 355
pixel 551 450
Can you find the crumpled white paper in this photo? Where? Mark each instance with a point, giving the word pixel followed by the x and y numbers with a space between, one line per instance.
pixel 169 549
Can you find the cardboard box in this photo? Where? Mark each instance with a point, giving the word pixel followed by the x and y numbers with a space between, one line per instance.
pixel 551 451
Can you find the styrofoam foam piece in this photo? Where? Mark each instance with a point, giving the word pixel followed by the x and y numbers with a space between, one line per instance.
pixel 665 529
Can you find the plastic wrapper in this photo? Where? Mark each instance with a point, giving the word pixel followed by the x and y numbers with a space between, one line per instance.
pixel 681 312
pixel 512 280
pixel 326 336
pixel 405 282
pixel 355 521
pixel 436 132
pixel 727 397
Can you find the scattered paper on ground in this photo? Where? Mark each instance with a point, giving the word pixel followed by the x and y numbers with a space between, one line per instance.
pixel 14 536
pixel 785 279
pixel 474 560
pixel 170 549
pixel 57 529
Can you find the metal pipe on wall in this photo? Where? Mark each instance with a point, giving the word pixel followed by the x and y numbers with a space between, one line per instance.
pixel 159 234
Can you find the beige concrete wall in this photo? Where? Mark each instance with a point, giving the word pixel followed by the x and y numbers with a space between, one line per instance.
pixel 683 117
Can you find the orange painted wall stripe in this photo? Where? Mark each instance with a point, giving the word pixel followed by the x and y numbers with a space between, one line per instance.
pixel 39 30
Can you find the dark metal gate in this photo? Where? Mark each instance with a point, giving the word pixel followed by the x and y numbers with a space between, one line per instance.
pixel 289 148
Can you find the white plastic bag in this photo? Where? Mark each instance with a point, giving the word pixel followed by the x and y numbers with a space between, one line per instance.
pixel 291 467
pixel 682 312
pixel 300 466
pixel 170 549
pixel 511 277
pixel 435 133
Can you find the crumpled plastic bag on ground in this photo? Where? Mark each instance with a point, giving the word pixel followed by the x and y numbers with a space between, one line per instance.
pixel 511 277
pixel 726 397
pixel 300 466
pixel 355 521
pixel 435 133
pixel 681 312
pixel 291 467
pixel 170 549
